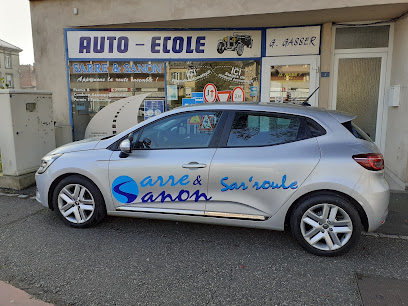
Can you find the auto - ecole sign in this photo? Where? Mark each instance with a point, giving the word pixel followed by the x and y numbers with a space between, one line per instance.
pixel 84 44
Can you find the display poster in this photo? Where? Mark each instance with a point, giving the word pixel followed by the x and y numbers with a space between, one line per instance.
pixel 153 108
pixel 172 92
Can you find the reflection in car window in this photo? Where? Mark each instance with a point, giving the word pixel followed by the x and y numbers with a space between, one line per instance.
pixel 260 130
pixel 188 130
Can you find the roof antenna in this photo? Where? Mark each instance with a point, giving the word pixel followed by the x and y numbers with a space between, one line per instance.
pixel 304 103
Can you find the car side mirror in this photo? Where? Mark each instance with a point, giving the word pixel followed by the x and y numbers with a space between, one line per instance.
pixel 125 148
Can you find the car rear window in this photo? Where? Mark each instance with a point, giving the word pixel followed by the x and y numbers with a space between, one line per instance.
pixel 356 131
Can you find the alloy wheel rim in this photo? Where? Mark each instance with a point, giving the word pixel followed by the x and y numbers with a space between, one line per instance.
pixel 326 227
pixel 76 203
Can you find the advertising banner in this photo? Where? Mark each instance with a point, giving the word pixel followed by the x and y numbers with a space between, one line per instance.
pixel 85 44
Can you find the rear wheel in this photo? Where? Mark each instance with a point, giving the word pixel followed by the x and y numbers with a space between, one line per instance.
pixel 78 202
pixel 326 225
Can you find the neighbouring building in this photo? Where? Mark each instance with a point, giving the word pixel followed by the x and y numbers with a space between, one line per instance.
pixel 90 53
pixel 27 76
pixel 9 64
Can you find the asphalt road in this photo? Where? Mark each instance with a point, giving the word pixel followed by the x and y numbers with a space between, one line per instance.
pixel 145 262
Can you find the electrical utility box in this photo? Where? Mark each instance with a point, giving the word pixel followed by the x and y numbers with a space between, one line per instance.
pixel 26 130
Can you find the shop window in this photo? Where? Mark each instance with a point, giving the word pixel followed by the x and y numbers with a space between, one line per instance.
pixel 186 81
pixel 289 83
pixel 7 61
pixel 96 84
pixel 362 37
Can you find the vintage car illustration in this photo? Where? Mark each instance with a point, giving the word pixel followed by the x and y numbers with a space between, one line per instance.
pixel 235 42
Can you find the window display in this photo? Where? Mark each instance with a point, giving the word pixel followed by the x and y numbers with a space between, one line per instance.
pixel 186 82
pixel 96 84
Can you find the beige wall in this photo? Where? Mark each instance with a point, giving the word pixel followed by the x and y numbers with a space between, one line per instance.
pixel 50 17
pixel 326 53
pixel 396 149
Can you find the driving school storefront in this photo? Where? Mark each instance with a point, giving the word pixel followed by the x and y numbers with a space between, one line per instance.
pixel 169 68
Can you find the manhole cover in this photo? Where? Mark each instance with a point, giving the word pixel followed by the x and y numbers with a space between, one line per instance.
pixel 382 291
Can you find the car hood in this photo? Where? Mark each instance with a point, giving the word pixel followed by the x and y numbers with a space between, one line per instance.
pixel 82 145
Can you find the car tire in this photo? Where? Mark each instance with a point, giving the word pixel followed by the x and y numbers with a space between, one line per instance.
pixel 326 225
pixel 240 49
pixel 78 202
pixel 220 47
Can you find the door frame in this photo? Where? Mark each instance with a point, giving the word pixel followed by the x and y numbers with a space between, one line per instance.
pixel 312 60
pixel 381 106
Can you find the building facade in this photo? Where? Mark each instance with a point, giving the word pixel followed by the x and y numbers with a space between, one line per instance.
pixel 9 65
pixel 351 55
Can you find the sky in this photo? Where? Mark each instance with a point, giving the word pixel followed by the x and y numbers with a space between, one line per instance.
pixel 15 27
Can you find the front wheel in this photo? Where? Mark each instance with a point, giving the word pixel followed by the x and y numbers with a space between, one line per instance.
pixel 326 225
pixel 78 202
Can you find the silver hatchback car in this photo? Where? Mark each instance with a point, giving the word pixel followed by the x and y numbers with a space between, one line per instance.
pixel 266 166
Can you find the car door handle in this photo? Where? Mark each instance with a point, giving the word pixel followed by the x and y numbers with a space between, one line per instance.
pixel 194 165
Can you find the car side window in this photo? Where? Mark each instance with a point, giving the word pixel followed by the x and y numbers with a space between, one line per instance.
pixel 261 130
pixel 187 130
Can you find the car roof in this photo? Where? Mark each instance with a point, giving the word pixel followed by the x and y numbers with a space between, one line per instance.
pixel 295 109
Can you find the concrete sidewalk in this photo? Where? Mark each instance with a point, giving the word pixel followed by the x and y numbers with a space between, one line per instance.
pixel 10 295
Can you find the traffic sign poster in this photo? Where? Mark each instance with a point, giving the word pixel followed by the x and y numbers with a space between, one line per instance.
pixel 153 108
pixel 206 124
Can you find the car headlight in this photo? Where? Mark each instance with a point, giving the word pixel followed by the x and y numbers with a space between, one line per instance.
pixel 46 161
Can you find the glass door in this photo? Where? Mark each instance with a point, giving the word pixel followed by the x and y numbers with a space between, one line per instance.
pixel 289 79
pixel 358 88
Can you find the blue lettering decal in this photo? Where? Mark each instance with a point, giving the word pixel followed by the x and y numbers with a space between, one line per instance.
pixel 101 47
pixel 149 68
pixel 76 68
pixel 264 186
pixel 199 195
pixel 98 68
pixel 165 40
pixel 223 184
pixel 256 185
pixel 85 44
pixel 83 69
pixel 89 68
pixel 157 68
pixel 180 198
pixel 155 44
pixel 126 68
pixel 142 68
pixel 105 68
pixel 115 68
pixel 178 43
pixel 200 44
pixel 111 40
pixel 123 44
pixel 147 181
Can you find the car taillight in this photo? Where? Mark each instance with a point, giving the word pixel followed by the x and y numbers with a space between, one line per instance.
pixel 371 161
